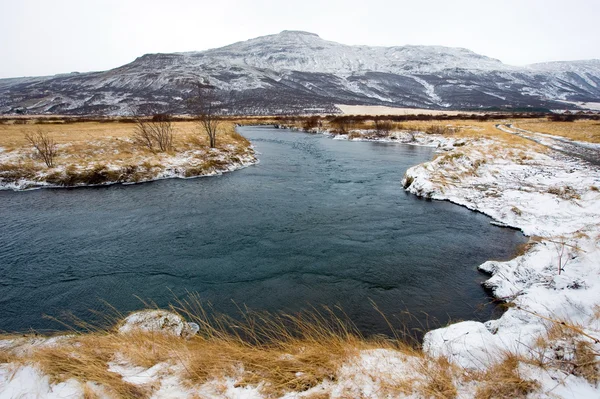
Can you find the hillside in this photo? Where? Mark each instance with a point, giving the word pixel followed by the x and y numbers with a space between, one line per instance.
pixel 298 72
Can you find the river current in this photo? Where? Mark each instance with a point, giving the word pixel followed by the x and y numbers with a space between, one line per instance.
pixel 316 222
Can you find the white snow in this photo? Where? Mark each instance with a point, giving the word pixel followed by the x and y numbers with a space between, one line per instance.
pixel 544 195
pixel 548 197
pixel 28 382
pixel 160 321
pixel 170 166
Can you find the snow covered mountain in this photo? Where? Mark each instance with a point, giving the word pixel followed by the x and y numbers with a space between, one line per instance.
pixel 297 71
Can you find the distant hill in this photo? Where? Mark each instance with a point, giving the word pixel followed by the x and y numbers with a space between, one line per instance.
pixel 297 72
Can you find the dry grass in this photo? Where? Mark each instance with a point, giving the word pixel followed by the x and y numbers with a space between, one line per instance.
pixel 580 130
pixel 86 361
pixel 80 136
pixel 96 153
pixel 566 348
pixel 280 353
pixel 472 130
pixel 504 381
pixel 439 375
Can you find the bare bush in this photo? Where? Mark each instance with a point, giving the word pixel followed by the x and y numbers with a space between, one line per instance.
pixel 311 123
pixel 383 126
pixel 342 124
pixel 155 134
pixel 204 105
pixel 44 145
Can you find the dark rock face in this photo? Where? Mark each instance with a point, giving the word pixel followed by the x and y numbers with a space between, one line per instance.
pixel 298 72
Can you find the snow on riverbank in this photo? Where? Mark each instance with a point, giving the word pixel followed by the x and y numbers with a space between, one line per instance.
pixel 546 195
pixel 552 326
pixel 185 164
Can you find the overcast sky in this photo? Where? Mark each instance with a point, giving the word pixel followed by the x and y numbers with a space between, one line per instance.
pixel 44 37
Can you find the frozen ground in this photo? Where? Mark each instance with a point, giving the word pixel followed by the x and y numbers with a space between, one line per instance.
pixel 552 198
pixel 148 167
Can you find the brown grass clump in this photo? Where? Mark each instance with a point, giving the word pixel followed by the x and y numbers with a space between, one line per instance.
pixel 566 347
pixel 439 380
pixel 587 364
pixel 86 361
pixel 564 192
pixel 284 352
pixel 504 381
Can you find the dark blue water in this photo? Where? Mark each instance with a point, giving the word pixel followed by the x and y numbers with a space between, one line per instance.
pixel 317 222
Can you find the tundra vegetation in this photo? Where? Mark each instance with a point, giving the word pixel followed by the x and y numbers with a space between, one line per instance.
pixel 63 152
pixel 320 354
pixel 314 354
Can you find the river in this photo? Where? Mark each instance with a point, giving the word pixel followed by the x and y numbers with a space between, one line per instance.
pixel 316 222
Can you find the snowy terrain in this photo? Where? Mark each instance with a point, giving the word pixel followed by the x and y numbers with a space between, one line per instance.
pixel 556 282
pixel 299 72
pixel 148 167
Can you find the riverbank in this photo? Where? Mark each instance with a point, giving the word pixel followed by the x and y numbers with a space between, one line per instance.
pixel 92 154
pixel 545 345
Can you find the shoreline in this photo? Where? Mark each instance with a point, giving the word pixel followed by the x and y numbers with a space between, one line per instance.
pixel 247 160
pixel 554 201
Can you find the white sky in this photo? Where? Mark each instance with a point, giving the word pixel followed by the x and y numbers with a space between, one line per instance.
pixel 44 37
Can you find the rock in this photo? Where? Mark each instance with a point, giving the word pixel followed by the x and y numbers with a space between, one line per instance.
pixel 159 321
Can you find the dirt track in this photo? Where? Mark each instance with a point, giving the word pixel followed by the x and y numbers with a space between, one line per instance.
pixel 585 151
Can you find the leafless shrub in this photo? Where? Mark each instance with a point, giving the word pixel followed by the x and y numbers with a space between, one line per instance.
pixel 311 123
pixel 155 134
pixel 383 126
pixel 204 105
pixel 342 124
pixel 44 145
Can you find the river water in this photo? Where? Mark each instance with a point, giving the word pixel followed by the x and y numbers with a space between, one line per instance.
pixel 316 222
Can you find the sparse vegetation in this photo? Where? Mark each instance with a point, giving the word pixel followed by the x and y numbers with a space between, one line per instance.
pixel 504 381
pixel 45 147
pixel 204 105
pixel 383 127
pixel 154 134
pixel 101 153
pixel 564 192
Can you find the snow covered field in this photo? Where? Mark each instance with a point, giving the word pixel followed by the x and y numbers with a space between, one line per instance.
pixel 546 345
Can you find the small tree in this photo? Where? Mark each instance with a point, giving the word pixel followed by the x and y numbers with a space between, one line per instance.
pixel 204 105
pixel 44 146
pixel 342 124
pixel 156 134
pixel 383 126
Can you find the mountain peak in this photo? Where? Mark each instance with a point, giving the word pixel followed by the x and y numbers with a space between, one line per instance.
pixel 297 33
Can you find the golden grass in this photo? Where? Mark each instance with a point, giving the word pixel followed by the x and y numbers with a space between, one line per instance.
pixel 504 381
pixel 81 134
pixel 439 375
pixel 468 129
pixel 579 130
pixel 280 353
pixel 96 153
pixel 86 361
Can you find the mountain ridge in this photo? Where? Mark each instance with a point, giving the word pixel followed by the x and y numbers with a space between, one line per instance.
pixel 296 71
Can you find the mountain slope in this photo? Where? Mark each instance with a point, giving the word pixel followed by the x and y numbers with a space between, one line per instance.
pixel 298 72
